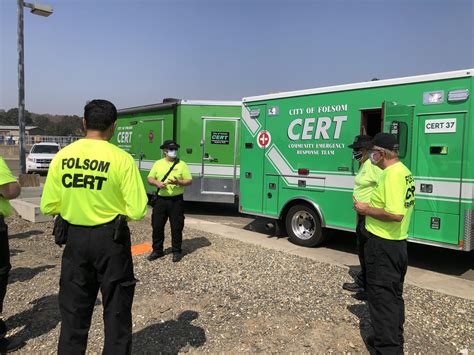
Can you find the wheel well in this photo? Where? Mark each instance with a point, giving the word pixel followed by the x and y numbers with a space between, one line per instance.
pixel 300 202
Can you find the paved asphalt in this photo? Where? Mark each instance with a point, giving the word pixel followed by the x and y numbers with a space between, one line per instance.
pixel 444 261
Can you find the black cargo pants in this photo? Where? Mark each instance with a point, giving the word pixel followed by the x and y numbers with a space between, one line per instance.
pixel 172 208
pixel 361 240
pixel 5 266
pixel 386 265
pixel 92 260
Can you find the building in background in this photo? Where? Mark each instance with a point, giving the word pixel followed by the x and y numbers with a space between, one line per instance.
pixel 10 134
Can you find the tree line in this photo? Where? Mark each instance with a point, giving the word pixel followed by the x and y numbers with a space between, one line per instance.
pixel 53 125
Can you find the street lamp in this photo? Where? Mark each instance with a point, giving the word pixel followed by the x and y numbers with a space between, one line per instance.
pixel 36 9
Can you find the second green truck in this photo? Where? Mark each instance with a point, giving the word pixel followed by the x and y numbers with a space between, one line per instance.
pixel 208 133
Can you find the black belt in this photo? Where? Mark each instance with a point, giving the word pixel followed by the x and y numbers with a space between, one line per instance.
pixel 372 235
pixel 172 198
pixel 104 225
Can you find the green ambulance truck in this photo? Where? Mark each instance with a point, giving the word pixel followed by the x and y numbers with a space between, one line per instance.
pixel 296 167
pixel 208 133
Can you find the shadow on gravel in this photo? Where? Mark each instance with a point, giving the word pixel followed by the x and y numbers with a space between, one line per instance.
pixel 361 311
pixel 40 319
pixel 26 234
pixel 14 252
pixel 22 274
pixel 171 337
pixel 441 260
pixel 191 245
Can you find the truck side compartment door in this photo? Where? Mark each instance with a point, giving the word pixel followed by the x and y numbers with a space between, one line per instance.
pixel 271 194
pixel 252 159
pixel 438 169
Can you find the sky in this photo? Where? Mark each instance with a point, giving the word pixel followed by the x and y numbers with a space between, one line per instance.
pixel 138 52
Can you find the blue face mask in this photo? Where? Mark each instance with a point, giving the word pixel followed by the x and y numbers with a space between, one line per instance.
pixel 171 153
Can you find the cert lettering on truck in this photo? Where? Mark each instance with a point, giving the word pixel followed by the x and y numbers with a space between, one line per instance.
pixel 444 125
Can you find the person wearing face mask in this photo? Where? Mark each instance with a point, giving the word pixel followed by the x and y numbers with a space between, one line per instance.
pixel 386 227
pixel 364 183
pixel 170 175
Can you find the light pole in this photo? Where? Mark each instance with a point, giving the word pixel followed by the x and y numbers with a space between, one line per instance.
pixel 36 9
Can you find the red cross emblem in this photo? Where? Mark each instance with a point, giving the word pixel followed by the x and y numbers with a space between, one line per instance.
pixel 151 136
pixel 264 139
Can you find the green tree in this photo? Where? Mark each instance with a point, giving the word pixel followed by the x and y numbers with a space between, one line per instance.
pixel 10 118
pixel 41 121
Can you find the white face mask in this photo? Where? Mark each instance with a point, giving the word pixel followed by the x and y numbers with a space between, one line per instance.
pixel 372 160
pixel 171 153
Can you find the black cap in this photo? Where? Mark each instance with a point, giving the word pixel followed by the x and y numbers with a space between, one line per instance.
pixel 169 144
pixel 361 141
pixel 385 140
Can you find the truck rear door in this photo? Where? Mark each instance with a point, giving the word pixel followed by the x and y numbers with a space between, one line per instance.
pixel 219 155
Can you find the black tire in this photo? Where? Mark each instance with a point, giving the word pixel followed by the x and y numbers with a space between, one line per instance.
pixel 304 227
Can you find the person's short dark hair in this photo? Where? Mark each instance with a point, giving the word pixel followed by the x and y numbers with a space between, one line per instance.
pixel 100 114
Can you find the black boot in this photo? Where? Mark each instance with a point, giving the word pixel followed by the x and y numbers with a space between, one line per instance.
pixel 3 329
pixel 177 257
pixel 352 287
pixel 155 255
pixel 8 345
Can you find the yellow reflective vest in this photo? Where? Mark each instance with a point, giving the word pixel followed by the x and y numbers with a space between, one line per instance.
pixel 92 181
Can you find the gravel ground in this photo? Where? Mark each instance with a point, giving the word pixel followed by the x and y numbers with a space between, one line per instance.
pixel 225 296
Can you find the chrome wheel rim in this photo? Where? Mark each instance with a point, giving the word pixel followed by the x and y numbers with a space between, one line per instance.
pixel 303 225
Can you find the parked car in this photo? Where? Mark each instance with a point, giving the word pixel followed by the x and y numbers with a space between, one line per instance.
pixel 40 157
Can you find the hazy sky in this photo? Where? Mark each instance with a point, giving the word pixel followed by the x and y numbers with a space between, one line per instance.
pixel 138 52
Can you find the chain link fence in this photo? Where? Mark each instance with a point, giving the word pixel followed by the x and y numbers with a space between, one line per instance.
pixel 30 140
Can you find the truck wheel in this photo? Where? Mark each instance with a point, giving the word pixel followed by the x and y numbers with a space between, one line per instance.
pixel 303 226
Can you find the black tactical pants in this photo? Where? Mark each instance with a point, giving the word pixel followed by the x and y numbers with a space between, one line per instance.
pixel 361 240
pixel 5 266
pixel 92 260
pixel 386 265
pixel 172 208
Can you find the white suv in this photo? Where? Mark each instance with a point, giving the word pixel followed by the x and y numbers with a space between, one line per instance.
pixel 40 156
